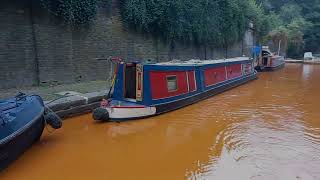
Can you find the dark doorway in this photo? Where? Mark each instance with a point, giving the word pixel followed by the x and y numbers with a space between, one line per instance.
pixel 265 61
pixel 265 57
pixel 130 81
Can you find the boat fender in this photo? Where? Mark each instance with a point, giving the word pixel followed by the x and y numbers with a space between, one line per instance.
pixel 100 114
pixel 53 120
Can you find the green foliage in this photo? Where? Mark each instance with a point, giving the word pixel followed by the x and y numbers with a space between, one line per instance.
pixel 263 23
pixel 72 11
pixel 301 19
pixel 291 36
pixel 289 12
pixel 312 38
pixel 311 9
pixel 206 22
pixel 232 22
pixel 279 34
pixel 296 31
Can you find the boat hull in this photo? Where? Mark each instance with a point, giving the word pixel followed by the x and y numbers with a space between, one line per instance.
pixel 270 68
pixel 171 106
pixel 120 114
pixel 22 138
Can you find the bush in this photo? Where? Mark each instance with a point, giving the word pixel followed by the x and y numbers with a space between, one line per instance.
pixel 72 11
pixel 208 22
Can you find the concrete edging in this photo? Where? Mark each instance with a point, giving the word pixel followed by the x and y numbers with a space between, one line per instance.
pixel 71 106
pixel 302 61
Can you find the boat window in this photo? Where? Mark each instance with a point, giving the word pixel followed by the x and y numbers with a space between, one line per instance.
pixel 266 53
pixel 172 83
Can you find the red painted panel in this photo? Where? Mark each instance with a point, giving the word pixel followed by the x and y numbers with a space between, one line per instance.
pixel 159 88
pixel 192 81
pixel 234 71
pixel 214 75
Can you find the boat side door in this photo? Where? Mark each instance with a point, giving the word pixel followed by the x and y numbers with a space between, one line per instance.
pixel 139 82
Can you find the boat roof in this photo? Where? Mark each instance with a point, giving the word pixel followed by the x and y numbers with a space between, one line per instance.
pixel 198 62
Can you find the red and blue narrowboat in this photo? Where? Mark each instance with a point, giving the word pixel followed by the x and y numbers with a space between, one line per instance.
pixel 143 90
pixel 268 61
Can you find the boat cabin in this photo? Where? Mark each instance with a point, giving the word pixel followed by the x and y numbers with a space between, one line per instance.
pixel 152 84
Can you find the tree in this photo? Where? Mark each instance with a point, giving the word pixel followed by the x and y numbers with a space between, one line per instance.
pixel 311 9
pixel 296 31
pixel 289 11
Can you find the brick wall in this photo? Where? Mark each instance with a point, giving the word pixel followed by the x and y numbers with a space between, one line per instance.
pixel 32 40
pixel 17 54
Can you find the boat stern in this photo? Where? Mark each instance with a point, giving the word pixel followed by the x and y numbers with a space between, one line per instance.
pixel 114 110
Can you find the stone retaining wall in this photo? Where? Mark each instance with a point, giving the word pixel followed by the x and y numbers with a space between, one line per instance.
pixel 38 48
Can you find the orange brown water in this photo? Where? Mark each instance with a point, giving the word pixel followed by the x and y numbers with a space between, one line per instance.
pixel 267 129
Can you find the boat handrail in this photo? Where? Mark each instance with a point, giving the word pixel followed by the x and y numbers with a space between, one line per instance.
pixel 110 58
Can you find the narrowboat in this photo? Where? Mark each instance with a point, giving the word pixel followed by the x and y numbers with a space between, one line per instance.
pixel 142 90
pixel 22 120
pixel 269 62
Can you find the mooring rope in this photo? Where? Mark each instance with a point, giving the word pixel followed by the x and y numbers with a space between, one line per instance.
pixel 54 100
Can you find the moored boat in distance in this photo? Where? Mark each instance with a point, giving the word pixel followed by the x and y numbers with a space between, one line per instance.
pixel 144 90
pixel 268 61
pixel 22 120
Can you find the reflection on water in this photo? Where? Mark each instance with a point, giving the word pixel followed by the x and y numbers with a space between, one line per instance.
pixel 267 129
pixel 306 72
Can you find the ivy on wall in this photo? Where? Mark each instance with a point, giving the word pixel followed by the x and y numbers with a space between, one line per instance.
pixel 203 22
pixel 207 22
pixel 72 11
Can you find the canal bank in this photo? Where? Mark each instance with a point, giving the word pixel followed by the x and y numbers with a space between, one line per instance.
pixel 266 129
pixel 68 99
pixel 315 61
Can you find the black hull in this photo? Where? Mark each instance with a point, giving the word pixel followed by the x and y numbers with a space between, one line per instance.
pixel 167 107
pixel 17 145
pixel 268 69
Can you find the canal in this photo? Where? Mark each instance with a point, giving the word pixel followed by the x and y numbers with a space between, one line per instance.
pixel 266 129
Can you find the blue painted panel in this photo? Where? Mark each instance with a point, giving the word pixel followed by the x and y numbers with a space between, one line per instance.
pixel 166 100
pixel 118 92
pixel 200 78
pixel 256 50
pixel 146 86
pixel 224 64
